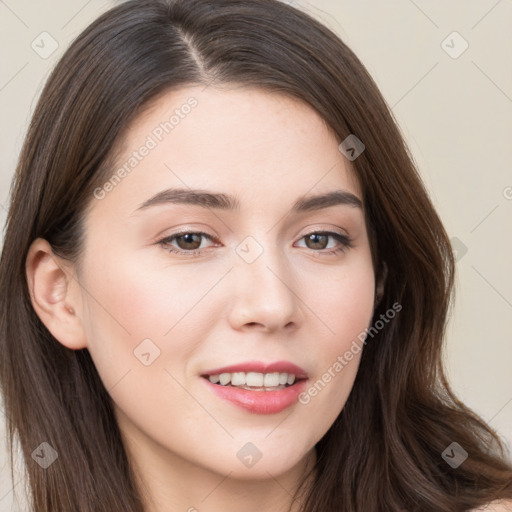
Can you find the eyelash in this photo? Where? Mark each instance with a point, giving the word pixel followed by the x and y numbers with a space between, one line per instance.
pixel 345 242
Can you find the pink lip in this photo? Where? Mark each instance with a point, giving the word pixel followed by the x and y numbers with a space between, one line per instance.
pixel 259 402
pixel 260 367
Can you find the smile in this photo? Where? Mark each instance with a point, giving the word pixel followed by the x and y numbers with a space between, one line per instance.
pixel 254 381
pixel 259 392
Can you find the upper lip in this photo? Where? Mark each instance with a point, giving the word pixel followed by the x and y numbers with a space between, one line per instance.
pixel 260 367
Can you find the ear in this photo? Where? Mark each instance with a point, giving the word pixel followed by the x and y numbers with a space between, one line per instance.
pixel 55 294
pixel 381 282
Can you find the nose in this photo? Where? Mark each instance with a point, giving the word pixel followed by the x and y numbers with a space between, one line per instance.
pixel 264 298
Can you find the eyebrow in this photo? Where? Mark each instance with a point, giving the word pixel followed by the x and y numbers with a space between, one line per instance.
pixel 221 201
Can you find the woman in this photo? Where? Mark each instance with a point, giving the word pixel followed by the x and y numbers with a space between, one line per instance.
pixel 233 286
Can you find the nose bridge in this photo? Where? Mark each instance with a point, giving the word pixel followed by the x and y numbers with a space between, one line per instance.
pixel 264 293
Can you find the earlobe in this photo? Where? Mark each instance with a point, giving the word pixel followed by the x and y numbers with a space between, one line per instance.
pixel 54 296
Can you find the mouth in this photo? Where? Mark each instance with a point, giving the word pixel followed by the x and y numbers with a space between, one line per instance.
pixel 254 381
pixel 257 387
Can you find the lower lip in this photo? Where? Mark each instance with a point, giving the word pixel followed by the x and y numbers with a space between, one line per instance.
pixel 259 402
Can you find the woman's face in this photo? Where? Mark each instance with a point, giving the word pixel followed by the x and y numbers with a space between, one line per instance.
pixel 178 286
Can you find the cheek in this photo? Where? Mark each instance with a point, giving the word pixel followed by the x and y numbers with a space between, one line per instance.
pixel 134 308
pixel 344 309
pixel 342 300
pixel 142 326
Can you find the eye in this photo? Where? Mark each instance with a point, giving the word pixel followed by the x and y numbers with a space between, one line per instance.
pixel 187 242
pixel 319 241
pixel 190 243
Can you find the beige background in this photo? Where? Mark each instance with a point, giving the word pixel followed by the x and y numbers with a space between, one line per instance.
pixel 456 114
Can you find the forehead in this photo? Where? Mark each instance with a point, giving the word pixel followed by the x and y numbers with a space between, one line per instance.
pixel 251 143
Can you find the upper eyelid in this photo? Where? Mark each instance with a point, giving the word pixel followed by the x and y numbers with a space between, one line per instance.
pixel 189 232
pixel 213 238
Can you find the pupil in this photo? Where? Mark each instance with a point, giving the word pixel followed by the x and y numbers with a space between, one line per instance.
pixel 189 241
pixel 315 239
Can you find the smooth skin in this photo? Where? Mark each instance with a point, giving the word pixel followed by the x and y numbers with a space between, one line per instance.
pixel 303 299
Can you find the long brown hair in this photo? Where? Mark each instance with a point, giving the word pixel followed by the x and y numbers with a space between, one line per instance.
pixel 384 451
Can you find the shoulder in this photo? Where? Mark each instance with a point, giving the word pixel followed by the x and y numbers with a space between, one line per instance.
pixel 495 506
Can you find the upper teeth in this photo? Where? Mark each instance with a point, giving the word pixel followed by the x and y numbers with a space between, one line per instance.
pixel 253 379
